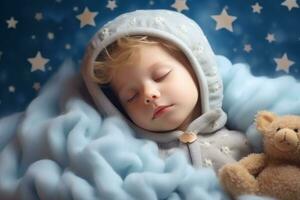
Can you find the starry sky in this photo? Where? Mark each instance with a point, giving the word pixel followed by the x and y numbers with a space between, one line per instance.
pixel 37 36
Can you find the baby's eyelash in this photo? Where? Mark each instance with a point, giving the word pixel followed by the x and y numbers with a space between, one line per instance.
pixel 132 98
pixel 163 76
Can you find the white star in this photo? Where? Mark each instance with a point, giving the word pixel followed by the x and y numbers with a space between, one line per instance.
pixel 183 28
pixel 38 16
pixel 87 17
pixel 68 46
pixel 151 2
pixel 198 48
pixel 111 4
pixel 159 20
pixel 104 33
pixel 256 8
pixel 225 149
pixel 180 5
pixel 75 8
pixel 36 86
pixel 224 20
pixel 11 89
pixel 33 37
pixel 38 62
pixel 11 23
pixel 247 48
pixel 207 162
pixel 204 143
pixel 1 53
pixel 270 37
pixel 290 4
pixel 50 36
pixel 283 63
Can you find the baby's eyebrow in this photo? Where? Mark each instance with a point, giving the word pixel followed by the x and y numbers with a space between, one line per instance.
pixel 156 66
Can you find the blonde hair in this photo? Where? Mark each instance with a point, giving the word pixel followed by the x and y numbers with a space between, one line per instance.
pixel 123 52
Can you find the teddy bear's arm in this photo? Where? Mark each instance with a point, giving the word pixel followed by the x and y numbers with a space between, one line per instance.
pixel 254 163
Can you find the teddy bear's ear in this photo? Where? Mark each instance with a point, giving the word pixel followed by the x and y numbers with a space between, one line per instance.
pixel 263 119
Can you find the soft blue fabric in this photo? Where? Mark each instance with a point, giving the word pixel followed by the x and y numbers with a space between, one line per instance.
pixel 61 148
pixel 245 95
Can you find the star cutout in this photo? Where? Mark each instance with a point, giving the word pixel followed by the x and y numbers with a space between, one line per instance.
pixel 290 4
pixel 111 4
pixel 270 37
pixel 11 89
pixel 50 36
pixel 87 17
pixel 283 63
pixel 38 62
pixel 36 86
pixel 12 23
pixel 256 8
pixel 38 16
pixel 180 5
pixel 224 20
pixel 247 48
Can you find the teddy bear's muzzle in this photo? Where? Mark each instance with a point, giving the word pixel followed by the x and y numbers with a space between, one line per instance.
pixel 286 139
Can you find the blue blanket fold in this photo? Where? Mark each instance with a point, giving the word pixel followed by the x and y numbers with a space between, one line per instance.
pixel 60 147
pixel 245 94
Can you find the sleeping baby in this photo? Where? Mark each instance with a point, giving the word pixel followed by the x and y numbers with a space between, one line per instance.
pixel 156 70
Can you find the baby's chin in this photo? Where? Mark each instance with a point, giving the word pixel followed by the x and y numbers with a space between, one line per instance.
pixel 167 127
pixel 160 130
pixel 167 123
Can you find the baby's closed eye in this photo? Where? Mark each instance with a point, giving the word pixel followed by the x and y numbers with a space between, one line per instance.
pixel 132 97
pixel 161 74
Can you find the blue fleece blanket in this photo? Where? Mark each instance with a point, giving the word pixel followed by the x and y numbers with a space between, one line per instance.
pixel 61 148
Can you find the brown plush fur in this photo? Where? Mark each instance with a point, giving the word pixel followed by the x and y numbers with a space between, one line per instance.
pixel 274 173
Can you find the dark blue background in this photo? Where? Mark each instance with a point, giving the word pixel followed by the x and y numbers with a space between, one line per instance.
pixel 59 18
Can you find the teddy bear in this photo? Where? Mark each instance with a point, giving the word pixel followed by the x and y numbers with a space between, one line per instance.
pixel 275 172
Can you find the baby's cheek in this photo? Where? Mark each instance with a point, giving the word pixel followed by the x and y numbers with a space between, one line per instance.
pixel 137 114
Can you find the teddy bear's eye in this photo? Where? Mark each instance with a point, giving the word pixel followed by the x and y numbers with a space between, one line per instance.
pixel 296 130
pixel 278 129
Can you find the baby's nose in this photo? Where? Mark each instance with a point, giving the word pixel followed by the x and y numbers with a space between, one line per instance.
pixel 150 99
pixel 151 93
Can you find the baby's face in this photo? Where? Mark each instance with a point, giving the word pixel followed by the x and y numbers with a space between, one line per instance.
pixel 157 91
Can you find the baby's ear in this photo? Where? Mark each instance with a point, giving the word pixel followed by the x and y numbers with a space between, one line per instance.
pixel 263 119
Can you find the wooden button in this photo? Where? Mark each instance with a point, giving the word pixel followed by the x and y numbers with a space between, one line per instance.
pixel 188 137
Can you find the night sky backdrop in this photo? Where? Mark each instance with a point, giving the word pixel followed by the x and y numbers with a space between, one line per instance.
pixel 37 36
